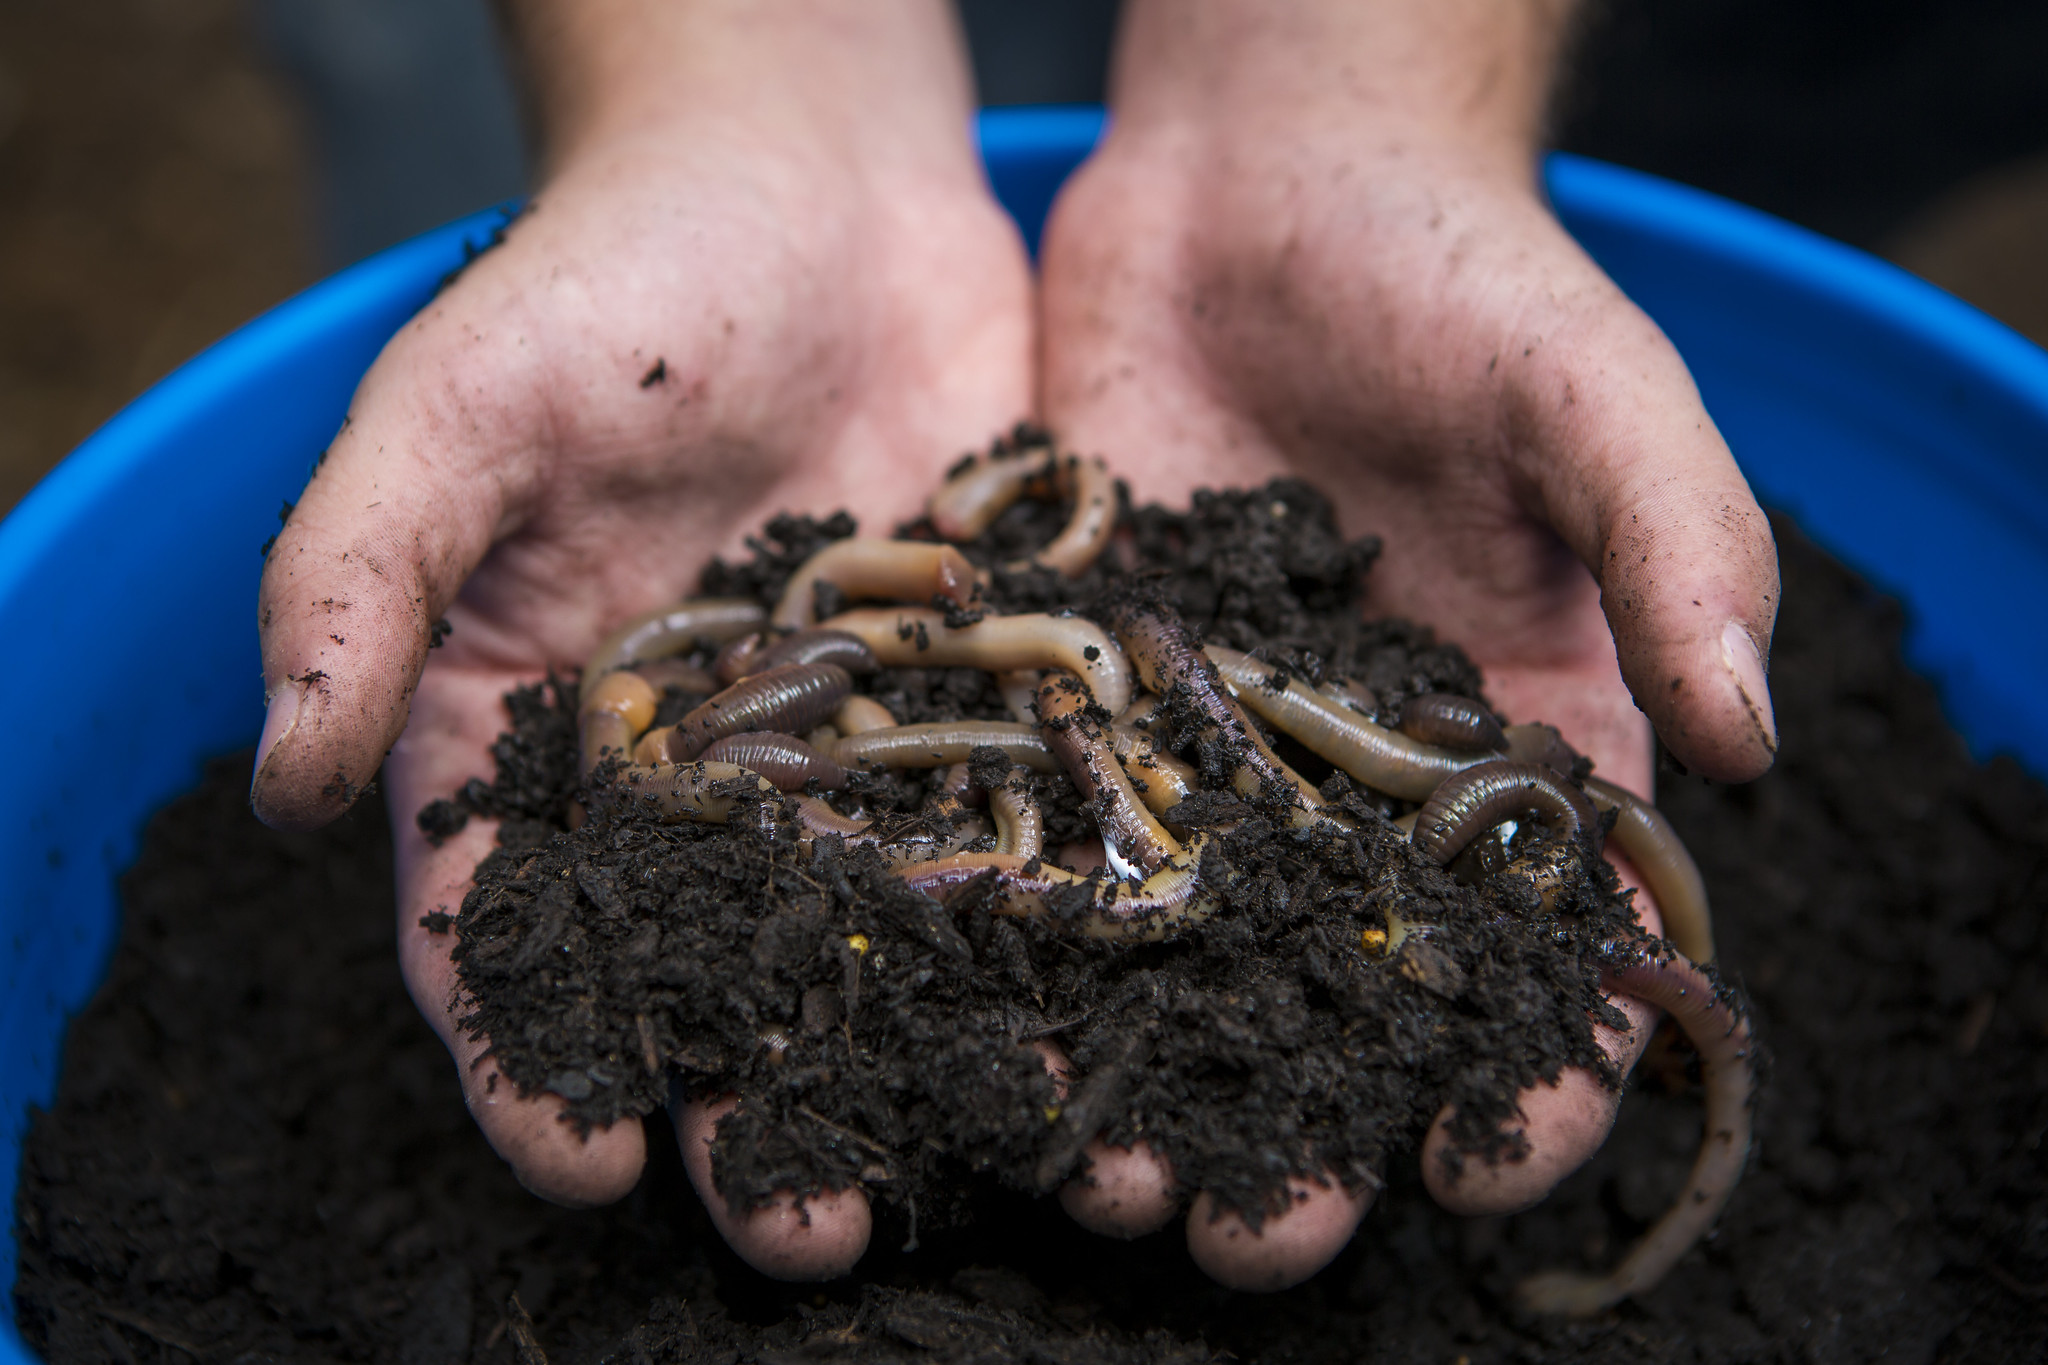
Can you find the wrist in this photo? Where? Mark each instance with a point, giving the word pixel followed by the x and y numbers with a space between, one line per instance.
pixel 1447 84
pixel 883 84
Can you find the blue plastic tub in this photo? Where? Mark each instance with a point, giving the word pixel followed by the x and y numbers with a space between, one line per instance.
pixel 1904 429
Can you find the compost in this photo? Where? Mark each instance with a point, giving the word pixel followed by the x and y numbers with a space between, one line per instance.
pixel 256 1151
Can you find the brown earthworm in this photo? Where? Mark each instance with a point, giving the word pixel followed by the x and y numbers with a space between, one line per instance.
pixel 1309 804
pixel 956 780
pixel 1538 743
pixel 1085 750
pixel 813 646
pixel 857 715
pixel 1449 721
pixel 783 759
pixel 1485 794
pixel 1162 780
pixel 941 743
pixel 1171 898
pixel 968 503
pixel 1660 855
pixel 791 697
pixel 612 713
pixel 731 663
pixel 866 568
pixel 671 630
pixel 1165 657
pixel 661 673
pixel 1720 1031
pixel 815 816
pixel 1383 759
pixel 907 638
pixel 1020 825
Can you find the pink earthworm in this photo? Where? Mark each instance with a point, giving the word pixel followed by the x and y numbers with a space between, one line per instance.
pixel 790 697
pixel 910 638
pixel 865 569
pixel 1085 749
pixel 1720 1031
pixel 1171 899
pixel 1448 721
pixel 784 760
pixel 942 743
pixel 671 630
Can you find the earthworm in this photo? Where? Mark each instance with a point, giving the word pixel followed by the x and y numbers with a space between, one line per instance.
pixel 671 630
pixel 1668 869
pixel 1171 898
pixel 791 697
pixel 785 760
pixel 1310 805
pixel 1079 741
pixel 956 780
pixel 865 568
pixel 1142 714
pixel 1449 721
pixel 857 715
pixel 969 502
pixel 814 816
pixel 943 742
pixel 1162 780
pixel 1020 824
pixel 612 713
pixel 731 662
pixel 813 646
pixel 1720 1031
pixel 1538 743
pixel 690 791
pixel 1485 794
pixel 1383 759
pixel 1165 656
pixel 1352 693
pixel 675 673
pixel 1080 542
pixel 907 638
pixel 1019 687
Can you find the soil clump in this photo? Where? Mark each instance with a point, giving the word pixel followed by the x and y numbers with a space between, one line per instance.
pixel 257 1152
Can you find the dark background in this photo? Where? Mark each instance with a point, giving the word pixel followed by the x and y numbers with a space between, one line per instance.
pixel 168 168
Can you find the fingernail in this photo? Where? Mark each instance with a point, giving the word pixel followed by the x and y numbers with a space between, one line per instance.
pixel 1739 656
pixel 282 717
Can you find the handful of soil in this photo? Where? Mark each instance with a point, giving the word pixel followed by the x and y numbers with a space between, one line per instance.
pixel 862 868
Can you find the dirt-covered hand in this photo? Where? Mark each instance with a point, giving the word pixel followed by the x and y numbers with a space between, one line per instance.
pixel 1313 243
pixel 765 273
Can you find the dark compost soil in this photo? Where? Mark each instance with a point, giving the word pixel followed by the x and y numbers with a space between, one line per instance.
pixel 881 1039
pixel 257 1152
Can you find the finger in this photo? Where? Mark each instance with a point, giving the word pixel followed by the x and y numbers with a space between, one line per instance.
pixel 1561 1125
pixel 1121 1192
pixel 1288 1248
pixel 818 1238
pixel 402 509
pixel 1632 472
pixel 548 1155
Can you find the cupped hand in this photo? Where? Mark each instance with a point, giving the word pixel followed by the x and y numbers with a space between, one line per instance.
pixel 1266 270
pixel 734 302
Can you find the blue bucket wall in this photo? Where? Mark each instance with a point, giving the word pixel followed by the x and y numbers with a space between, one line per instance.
pixel 1906 431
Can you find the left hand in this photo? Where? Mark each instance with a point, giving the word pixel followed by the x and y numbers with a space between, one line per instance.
pixel 1313 244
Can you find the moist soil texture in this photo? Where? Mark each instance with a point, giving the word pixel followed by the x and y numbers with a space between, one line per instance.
pixel 257 1151
pixel 881 1039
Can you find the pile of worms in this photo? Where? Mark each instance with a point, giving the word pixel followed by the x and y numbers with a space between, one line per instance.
pixel 1140 716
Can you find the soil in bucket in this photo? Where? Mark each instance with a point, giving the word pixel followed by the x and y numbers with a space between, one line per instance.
pixel 257 1153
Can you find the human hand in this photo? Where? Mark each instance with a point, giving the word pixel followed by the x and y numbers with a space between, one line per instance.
pixel 1312 243
pixel 762 273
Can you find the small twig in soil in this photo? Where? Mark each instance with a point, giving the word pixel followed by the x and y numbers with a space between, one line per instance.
pixel 155 1332
pixel 2017 1286
pixel 523 1337
pixel 815 1117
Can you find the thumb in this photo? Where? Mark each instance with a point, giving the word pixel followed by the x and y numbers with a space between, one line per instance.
pixel 1635 476
pixel 375 551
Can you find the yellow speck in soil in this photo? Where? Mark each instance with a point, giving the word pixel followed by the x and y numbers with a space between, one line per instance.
pixel 858 942
pixel 1052 1113
pixel 1374 941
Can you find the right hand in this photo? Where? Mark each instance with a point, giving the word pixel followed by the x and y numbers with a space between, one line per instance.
pixel 765 273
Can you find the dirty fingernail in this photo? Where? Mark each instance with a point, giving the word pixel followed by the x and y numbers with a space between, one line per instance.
pixel 1739 656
